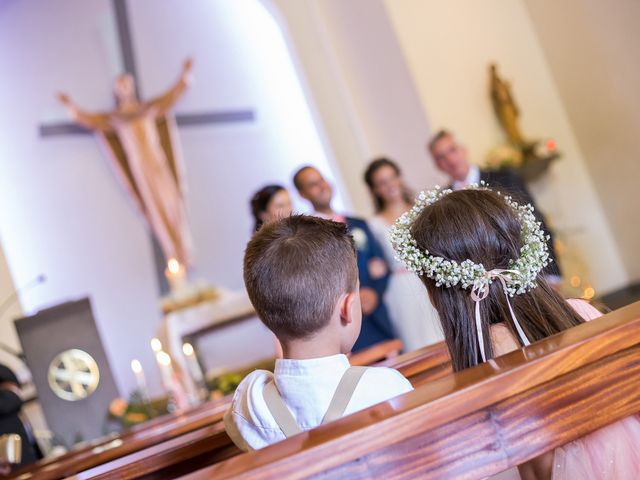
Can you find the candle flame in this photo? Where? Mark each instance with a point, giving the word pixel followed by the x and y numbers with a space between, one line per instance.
pixel 136 366
pixel 173 265
pixel 156 345
pixel 187 349
pixel 163 358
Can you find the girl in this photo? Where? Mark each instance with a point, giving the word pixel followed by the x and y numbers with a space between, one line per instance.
pixel 480 255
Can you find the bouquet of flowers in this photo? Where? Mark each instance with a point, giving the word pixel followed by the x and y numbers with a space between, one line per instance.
pixel 504 156
pixel 137 410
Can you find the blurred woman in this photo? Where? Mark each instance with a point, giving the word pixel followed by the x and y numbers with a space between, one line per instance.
pixel 270 203
pixel 414 318
pixel 267 204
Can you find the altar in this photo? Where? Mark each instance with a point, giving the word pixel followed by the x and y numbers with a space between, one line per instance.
pixel 225 333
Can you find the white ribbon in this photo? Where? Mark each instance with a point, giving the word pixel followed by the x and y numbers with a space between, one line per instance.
pixel 480 291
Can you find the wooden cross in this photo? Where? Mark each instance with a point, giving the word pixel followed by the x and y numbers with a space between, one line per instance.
pixel 202 118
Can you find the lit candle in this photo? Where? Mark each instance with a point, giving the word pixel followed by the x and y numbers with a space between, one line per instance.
pixel 192 362
pixel 156 345
pixel 170 381
pixel 136 366
pixel 164 363
pixel 176 275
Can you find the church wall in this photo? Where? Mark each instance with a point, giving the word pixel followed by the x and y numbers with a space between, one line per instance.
pixel 241 62
pixel 362 89
pixel 7 333
pixel 448 46
pixel 63 213
pixel 592 50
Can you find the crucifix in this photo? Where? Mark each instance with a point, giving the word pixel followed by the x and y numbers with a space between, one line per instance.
pixel 137 135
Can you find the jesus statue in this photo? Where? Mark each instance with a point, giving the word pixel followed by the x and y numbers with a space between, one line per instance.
pixel 139 139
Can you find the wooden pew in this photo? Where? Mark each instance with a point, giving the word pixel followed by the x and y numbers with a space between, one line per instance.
pixel 475 423
pixel 85 458
pixel 170 425
pixel 182 438
pixel 376 353
pixel 211 445
pixel 194 414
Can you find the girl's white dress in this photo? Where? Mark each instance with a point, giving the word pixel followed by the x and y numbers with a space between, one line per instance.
pixel 414 318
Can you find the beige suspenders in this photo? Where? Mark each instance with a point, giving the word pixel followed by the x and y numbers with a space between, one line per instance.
pixel 283 416
pixel 285 419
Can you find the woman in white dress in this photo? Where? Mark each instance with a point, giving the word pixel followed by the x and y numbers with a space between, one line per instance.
pixel 413 316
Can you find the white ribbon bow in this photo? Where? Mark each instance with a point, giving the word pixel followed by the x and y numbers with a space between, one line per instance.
pixel 480 291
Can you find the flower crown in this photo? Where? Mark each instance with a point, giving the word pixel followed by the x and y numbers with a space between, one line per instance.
pixel 521 274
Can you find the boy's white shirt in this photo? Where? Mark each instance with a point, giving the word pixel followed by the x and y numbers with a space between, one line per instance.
pixel 306 386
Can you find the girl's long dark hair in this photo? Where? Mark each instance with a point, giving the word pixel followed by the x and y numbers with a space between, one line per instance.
pixel 373 167
pixel 479 225
pixel 260 202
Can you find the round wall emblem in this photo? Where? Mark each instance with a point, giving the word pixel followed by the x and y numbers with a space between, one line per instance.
pixel 73 375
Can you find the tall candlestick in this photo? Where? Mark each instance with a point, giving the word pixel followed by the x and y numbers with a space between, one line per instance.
pixel 156 345
pixel 170 381
pixel 192 363
pixel 176 276
pixel 166 372
pixel 195 382
pixel 136 366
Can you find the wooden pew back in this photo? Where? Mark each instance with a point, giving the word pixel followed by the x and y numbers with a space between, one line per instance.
pixel 474 423
pixel 179 439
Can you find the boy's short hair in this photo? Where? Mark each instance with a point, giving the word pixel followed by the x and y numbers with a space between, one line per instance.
pixel 295 270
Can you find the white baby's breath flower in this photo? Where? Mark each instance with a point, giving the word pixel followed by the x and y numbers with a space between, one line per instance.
pixel 534 254
pixel 359 238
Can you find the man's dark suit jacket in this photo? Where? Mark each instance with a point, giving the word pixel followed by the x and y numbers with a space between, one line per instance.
pixel 376 327
pixel 509 183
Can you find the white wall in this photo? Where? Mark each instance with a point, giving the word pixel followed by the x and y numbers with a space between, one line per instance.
pixel 8 312
pixel 448 46
pixel 363 92
pixel 63 213
pixel 241 62
pixel 597 71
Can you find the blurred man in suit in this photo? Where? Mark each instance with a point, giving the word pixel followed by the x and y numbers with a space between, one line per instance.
pixel 451 158
pixel 373 269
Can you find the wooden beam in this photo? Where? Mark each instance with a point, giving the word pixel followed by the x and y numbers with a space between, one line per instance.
pixel 218 117
pixel 126 42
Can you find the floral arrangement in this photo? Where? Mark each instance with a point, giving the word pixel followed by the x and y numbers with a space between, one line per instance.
pixel 137 410
pixel 504 156
pixel 227 382
pixel 190 298
pixel 521 274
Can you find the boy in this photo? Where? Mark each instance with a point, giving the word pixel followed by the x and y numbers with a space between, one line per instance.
pixel 302 279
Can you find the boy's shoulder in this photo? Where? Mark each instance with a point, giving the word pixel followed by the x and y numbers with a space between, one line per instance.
pixel 382 383
pixel 386 373
pixel 245 419
pixel 254 380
